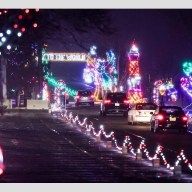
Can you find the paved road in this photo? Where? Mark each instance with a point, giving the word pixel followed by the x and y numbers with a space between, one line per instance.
pixel 40 148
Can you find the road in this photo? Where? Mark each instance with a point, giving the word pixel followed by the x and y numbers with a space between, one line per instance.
pixel 43 148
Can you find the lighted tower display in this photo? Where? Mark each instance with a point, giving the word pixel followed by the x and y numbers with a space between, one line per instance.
pixel 134 79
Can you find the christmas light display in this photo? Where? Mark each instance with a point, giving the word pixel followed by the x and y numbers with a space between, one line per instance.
pixel 101 72
pixel 134 80
pixel 50 79
pixel 186 81
pixel 164 92
pixel 15 22
pixel 127 146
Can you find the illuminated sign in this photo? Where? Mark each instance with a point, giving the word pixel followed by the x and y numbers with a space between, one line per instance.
pixel 67 57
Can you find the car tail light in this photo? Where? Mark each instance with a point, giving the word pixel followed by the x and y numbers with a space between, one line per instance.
pixel 126 101
pixel 92 96
pixel 77 96
pixel 107 101
pixel 160 117
pixel 184 118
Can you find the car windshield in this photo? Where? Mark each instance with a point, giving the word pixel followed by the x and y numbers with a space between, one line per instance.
pixel 120 97
pixel 146 106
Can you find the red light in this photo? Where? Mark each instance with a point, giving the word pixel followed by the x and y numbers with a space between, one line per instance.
pixel 107 101
pixel 20 17
pixel 37 10
pixel 160 117
pixel 126 101
pixel 35 25
pixel 77 96
pixel 92 96
pixel 23 29
pixel 184 118
pixel 15 26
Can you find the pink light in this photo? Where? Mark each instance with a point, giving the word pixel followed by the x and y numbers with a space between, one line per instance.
pixel 20 17
pixel 27 11
pixel 23 29
pixel 15 26
pixel 35 25
pixel 1 171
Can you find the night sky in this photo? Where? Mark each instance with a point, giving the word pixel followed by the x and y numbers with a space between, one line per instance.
pixel 163 36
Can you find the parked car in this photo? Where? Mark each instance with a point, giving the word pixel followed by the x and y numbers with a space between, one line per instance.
pixel 114 103
pixel 84 97
pixel 169 117
pixel 141 113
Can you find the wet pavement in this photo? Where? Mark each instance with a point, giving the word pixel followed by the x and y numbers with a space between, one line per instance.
pixel 40 148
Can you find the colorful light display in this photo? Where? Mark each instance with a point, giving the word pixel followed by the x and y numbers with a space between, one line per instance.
pixel 134 79
pixel 101 72
pixel 186 81
pixel 164 91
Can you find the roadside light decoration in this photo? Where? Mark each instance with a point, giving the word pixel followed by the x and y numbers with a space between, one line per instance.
pixel 186 81
pixel 164 91
pixel 134 81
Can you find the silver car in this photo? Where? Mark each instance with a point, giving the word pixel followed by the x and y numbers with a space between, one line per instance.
pixel 84 97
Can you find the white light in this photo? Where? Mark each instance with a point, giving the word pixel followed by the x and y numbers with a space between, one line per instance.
pixel 1 34
pixel 3 39
pixel 8 31
pixel 19 34
pixel 8 47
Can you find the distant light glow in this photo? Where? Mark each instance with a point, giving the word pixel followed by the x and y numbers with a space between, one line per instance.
pixel 15 26
pixel 8 47
pixel 8 31
pixel 35 25
pixel 19 34
pixel 23 29
pixel 3 39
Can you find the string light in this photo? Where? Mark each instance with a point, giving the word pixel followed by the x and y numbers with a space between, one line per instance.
pixel 127 143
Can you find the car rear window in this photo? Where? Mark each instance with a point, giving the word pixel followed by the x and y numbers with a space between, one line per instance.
pixel 146 106
pixel 172 110
pixel 120 97
pixel 84 93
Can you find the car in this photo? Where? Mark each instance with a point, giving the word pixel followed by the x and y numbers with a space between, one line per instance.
pixel 141 113
pixel 169 117
pixel 188 113
pixel 84 97
pixel 114 103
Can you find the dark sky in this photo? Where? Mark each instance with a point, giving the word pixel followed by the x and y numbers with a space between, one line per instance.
pixel 163 36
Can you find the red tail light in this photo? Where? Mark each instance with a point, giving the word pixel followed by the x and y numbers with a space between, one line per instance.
pixel 184 118
pixel 160 117
pixel 77 96
pixel 107 101
pixel 126 101
pixel 92 96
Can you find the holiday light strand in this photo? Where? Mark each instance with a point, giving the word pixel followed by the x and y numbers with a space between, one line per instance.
pixel 127 143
